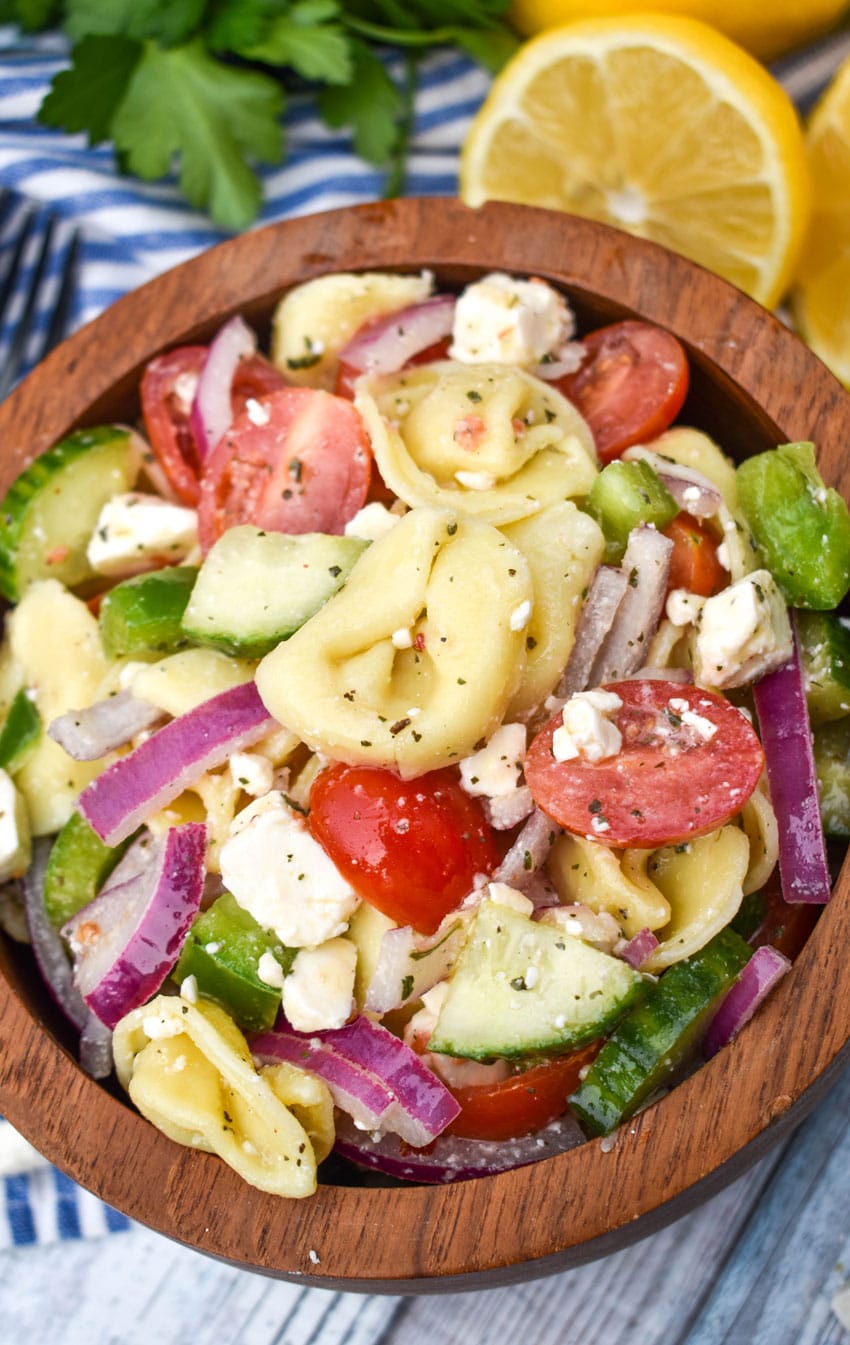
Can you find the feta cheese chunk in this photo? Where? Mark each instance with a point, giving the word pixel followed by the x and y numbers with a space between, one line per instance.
pixel 371 522
pixel 505 895
pixel 318 993
pixel 587 730
pixel 252 772
pixel 743 632
pixel 135 529
pixel 15 846
pixel 683 607
pixel 505 321
pixel 495 770
pixel 282 876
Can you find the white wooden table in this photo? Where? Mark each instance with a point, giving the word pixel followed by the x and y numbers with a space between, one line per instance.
pixel 766 1262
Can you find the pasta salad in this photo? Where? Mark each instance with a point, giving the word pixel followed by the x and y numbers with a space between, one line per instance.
pixel 444 739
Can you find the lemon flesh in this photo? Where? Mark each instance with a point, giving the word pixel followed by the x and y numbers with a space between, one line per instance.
pixel 821 299
pixel 765 30
pixel 660 126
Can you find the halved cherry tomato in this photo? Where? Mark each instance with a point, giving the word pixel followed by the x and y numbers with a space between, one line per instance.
pixel 410 848
pixel 298 461
pixel 167 392
pixel 522 1103
pixel 347 374
pixel 630 385
pixel 693 561
pixel 689 760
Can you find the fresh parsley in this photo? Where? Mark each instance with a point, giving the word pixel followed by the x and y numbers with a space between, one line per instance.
pixel 199 87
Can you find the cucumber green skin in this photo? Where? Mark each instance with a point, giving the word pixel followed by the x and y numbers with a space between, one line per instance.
pixel 253 592
pixel 18 567
pixel 624 495
pixel 654 1037
pixel 77 868
pixel 489 1013
pixel 20 732
pixel 825 650
pixel 229 975
pixel 832 764
pixel 752 914
pixel 143 615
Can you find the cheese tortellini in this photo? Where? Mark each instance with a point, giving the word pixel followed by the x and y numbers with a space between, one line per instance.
pixel 418 657
pixel 487 439
pixel 188 1069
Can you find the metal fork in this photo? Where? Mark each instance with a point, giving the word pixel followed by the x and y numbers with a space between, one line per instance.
pixel 38 260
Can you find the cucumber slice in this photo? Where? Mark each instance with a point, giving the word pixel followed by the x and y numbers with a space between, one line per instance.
pixel 256 588
pixel 21 730
pixel 658 1034
pixel 825 650
pixel 832 764
pixel 520 987
pixel 77 868
pixel 222 951
pixel 142 615
pixel 50 512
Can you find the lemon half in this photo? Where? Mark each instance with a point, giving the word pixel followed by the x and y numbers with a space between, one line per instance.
pixel 658 125
pixel 821 299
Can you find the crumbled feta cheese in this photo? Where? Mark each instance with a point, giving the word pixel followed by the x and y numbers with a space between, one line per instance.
pixel 476 480
pixel 495 769
pixel 270 971
pixel 371 522
pixel 318 993
pixel 252 772
pixel 506 321
pixel 402 638
pixel 502 894
pixel 683 607
pixel 158 1026
pixel 282 876
pixel 508 810
pixel 15 846
pixel 134 530
pixel 256 412
pixel 588 731
pixel 743 633
pixel 703 727
pixel 521 615
pixel 189 989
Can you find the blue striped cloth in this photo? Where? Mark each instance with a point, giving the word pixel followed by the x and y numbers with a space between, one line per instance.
pixel 129 232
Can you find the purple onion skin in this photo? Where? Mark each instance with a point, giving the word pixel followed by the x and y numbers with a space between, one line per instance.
pixel 48 949
pixel 765 968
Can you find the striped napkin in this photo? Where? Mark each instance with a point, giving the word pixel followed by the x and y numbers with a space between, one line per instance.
pixel 129 232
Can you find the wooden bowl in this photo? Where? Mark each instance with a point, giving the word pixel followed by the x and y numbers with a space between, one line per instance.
pixel 753 385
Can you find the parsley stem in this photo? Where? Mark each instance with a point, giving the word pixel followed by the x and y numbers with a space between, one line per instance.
pixel 401 37
pixel 394 185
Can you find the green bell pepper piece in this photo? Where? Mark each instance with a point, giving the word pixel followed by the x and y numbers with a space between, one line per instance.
pixel 77 868
pixel 800 526
pixel 624 495
pixel 143 615
pixel 21 730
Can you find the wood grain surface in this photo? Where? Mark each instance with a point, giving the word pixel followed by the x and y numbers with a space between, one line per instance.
pixel 753 384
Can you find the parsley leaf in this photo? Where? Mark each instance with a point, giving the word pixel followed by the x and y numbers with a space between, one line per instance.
pixel 302 40
pixel 370 104
pixel 87 96
pixel 32 15
pixel 184 104
pixel 165 21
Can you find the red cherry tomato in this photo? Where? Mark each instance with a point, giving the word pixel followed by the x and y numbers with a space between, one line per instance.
pixel 693 561
pixel 305 468
pixel 630 385
pixel 167 392
pixel 522 1103
pixel 669 782
pixel 411 848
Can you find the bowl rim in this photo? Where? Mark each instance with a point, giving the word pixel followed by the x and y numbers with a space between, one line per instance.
pixel 575 1206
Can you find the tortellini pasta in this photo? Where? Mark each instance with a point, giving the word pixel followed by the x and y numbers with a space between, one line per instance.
pixel 490 440
pixel 188 1069
pixel 179 682
pixel 417 658
pixel 593 875
pixel 759 822
pixel 314 321
pixel 563 548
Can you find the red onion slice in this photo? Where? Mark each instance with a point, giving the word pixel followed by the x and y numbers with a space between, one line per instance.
pixel 529 851
pixel 91 733
pixel 597 617
pixel 766 966
pixel 639 948
pixel 646 566
pixel 385 346
pixel 151 776
pixel 212 410
pixel 416 1106
pixel 126 941
pixel 96 1047
pixel 780 700
pixel 450 1158
pixel 48 948
pixel 692 491
pixel 409 964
